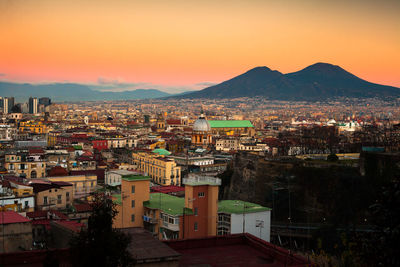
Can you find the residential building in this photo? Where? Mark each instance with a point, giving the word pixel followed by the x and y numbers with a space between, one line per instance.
pixel 135 190
pixel 236 216
pixel 113 177
pixel 16 232
pixel 162 170
pixel 83 185
pixel 53 195
pixel 25 165
pixel 195 216
pixel 15 196
pixel 35 127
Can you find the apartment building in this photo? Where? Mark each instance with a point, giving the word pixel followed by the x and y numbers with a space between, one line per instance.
pixel 53 195
pixel 135 190
pixel 25 165
pixel 162 170
pixel 236 216
pixel 83 185
pixel 195 216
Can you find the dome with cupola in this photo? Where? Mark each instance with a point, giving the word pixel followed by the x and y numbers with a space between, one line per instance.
pixel 201 124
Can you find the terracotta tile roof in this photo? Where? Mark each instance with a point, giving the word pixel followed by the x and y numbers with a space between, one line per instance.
pixel 82 207
pixel 7 217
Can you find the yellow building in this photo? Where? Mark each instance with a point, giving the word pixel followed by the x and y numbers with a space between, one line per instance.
pixel 83 185
pixel 24 165
pixel 32 127
pixel 162 170
pixel 57 195
pixel 135 189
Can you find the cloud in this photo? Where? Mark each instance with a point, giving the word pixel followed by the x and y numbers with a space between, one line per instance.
pixel 205 84
pixel 107 84
pixel 110 81
pixel 2 74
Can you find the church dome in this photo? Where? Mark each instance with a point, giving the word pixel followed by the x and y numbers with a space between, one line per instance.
pixel 201 125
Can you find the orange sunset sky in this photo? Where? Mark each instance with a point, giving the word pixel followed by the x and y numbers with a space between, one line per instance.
pixel 178 45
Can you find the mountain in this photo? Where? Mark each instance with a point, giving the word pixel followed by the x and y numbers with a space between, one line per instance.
pixel 72 92
pixel 315 82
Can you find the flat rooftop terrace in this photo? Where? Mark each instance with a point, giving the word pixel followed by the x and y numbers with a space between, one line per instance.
pixel 234 251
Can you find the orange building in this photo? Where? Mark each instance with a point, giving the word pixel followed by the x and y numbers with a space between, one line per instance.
pixel 195 216
pixel 135 189
pixel 201 196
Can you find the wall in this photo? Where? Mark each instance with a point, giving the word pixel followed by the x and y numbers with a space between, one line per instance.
pixel 15 235
pixel 250 224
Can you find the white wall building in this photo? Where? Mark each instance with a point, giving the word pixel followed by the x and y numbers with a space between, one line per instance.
pixel 113 178
pixel 236 216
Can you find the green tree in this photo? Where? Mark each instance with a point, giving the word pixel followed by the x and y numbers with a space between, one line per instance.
pixel 101 244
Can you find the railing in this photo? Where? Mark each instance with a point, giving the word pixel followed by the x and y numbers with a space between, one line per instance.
pixel 201 179
pixel 171 226
pixel 149 219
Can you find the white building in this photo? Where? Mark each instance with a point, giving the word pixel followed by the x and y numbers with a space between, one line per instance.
pixel 225 144
pixel 236 216
pixel 113 178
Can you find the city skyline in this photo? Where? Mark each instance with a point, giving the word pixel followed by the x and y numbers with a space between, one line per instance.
pixel 191 45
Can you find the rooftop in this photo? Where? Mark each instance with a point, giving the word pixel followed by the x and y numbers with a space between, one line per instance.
pixel 231 124
pixel 168 204
pixel 135 177
pixel 239 207
pixel 162 152
pixel 201 180
pixel 240 250
pixel 145 248
pixel 7 217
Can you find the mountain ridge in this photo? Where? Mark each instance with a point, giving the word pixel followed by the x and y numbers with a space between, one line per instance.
pixel 73 92
pixel 315 82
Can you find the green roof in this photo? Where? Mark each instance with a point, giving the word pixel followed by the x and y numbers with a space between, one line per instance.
pixel 117 199
pixel 162 152
pixel 230 124
pixel 239 207
pixel 133 177
pixel 76 147
pixel 168 204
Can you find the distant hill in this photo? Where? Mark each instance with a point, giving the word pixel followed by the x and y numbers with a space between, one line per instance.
pixel 316 82
pixel 73 92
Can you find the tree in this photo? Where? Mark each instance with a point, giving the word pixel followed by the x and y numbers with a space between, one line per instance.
pixel 100 244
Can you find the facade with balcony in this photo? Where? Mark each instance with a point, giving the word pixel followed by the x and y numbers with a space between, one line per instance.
pixel 161 170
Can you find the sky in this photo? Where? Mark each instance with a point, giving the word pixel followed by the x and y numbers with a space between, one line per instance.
pixel 181 45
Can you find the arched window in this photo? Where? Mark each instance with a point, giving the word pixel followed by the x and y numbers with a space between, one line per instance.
pixel 33 174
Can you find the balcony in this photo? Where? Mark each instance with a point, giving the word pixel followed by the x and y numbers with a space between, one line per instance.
pixel 171 226
pixel 149 219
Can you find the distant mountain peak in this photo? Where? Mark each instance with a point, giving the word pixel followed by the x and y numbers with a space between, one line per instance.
pixel 324 67
pixel 318 81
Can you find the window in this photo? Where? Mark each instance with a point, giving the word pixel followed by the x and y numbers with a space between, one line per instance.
pixel 26 204
pixel 44 200
pixel 195 211
pixel 201 194
pixel 133 189
pixel 196 226
pixel 133 217
pixel 67 196
pixel 170 220
pixel 58 199
pixel 133 203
